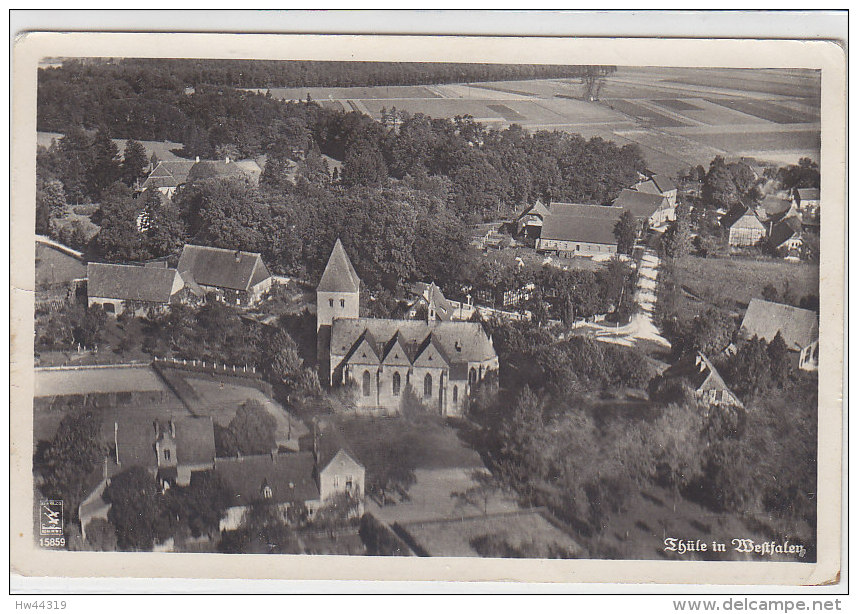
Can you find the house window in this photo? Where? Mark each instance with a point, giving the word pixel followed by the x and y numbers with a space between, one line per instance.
pixel 349 482
pixel 366 383
pixel 331 302
pixel 455 394
pixel 427 385
pixel 342 302
pixel 397 383
pixel 267 493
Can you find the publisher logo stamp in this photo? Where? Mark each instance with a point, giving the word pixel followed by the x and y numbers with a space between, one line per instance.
pixel 51 517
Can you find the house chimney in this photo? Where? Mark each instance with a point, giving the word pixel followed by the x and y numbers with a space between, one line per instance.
pixel 197 159
pixel 226 160
pixel 238 255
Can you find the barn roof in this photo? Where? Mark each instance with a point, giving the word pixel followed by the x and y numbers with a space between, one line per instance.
pixel 168 174
pixel 808 194
pixel 773 206
pixel 784 230
pixel 585 223
pixel 130 282
pixel 195 444
pixel 222 268
pixel 640 204
pixel 135 440
pixel 289 476
pixel 798 327
pixel 339 274
pixel 221 169
pixel 663 183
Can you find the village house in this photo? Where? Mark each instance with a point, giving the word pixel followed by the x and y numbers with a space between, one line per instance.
pixel 167 176
pixel 652 209
pixel 660 185
pixel 125 288
pixel 708 386
pixel 529 223
pixel 170 450
pixel 744 228
pixel 806 199
pixel 308 478
pixel 234 276
pixel 440 362
pixel 579 230
pixel 798 327
pixel 786 235
pixel 431 301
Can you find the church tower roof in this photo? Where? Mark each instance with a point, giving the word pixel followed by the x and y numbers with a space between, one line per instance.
pixel 339 275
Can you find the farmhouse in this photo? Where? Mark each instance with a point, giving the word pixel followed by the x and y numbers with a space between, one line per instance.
pixel 743 226
pixel 233 276
pixel 798 327
pixel 773 208
pixel 660 185
pixel 806 199
pixel 585 230
pixel 709 387
pixel 308 478
pixel 786 234
pixel 439 362
pixel 654 209
pixel 167 176
pixel 529 223
pixel 135 289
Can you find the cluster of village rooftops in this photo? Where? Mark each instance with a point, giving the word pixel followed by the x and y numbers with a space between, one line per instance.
pixel 565 230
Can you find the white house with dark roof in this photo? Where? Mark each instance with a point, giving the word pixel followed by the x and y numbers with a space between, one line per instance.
pixel 798 327
pixel 234 276
pixel 438 361
pixel 120 288
pixel 579 230
pixel 309 477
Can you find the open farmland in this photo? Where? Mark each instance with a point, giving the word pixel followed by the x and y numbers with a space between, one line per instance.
pixel 680 117
pixel 162 149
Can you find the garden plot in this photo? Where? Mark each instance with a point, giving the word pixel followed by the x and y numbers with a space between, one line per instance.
pixel 673 145
pixel 798 140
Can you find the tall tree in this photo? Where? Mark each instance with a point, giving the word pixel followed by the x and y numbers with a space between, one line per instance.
pixel 626 232
pixel 134 162
pixel 105 168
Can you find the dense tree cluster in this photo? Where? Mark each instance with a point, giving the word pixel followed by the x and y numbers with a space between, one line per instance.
pixel 143 514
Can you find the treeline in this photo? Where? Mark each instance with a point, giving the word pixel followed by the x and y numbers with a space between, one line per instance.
pixel 180 73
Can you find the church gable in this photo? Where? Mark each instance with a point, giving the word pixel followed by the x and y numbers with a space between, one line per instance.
pixel 396 352
pixel 364 352
pixel 430 354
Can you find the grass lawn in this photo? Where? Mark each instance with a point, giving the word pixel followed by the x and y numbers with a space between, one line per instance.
pixel 429 443
pixel 730 283
pixel 55 267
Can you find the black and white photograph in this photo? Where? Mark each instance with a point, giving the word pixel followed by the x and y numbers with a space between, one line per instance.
pixel 499 310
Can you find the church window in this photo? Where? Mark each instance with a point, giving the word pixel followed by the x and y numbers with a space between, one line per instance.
pixel 366 383
pixel 331 302
pixel 455 394
pixel 167 454
pixel 473 376
pixel 342 302
pixel 397 383
pixel 267 493
pixel 427 385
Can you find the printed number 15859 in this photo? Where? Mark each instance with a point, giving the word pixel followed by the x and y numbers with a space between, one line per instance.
pixel 52 542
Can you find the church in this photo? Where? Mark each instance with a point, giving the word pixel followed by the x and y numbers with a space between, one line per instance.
pixel 440 362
